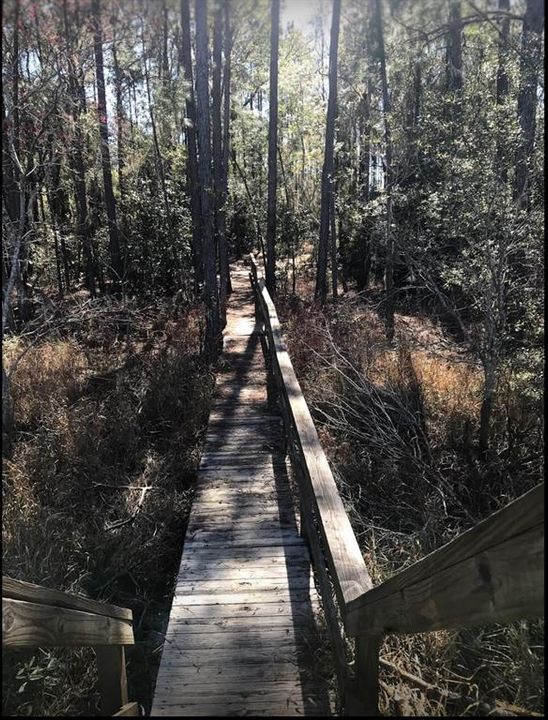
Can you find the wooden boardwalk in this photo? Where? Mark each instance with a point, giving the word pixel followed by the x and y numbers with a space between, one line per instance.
pixel 242 627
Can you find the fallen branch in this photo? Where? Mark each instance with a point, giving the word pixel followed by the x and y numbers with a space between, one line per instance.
pixel 500 707
pixel 131 518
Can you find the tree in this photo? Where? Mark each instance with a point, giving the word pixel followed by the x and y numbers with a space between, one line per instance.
pixel 531 45
pixel 211 298
pixel 116 265
pixel 389 300
pixel 193 188
pixel 329 154
pixel 219 160
pixel 272 150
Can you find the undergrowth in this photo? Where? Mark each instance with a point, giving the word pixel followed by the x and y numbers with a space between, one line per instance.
pixel 98 485
pixel 399 425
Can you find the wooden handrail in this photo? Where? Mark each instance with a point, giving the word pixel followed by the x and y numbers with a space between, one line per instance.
pixel 494 572
pixel 491 573
pixel 35 616
pixel 348 571
pixel 20 590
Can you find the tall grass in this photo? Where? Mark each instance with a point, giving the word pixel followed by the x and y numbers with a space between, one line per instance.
pixel 98 418
pixel 399 425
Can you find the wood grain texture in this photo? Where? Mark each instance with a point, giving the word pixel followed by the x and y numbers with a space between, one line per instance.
pixel 111 666
pixel 19 590
pixel 242 626
pixel 26 624
pixel 491 573
pixel 501 583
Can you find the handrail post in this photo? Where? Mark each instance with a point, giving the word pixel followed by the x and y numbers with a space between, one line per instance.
pixel 111 665
pixel 362 698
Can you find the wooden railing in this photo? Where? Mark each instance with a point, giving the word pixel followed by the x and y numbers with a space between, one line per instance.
pixel 491 573
pixel 35 616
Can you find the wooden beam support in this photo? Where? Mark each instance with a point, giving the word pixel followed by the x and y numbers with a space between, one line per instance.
pixel 111 664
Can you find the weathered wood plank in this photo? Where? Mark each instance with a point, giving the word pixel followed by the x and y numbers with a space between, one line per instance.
pixel 501 583
pixel 239 573
pixel 478 561
pixel 20 590
pixel 26 624
pixel 226 586
pixel 112 681
pixel 249 596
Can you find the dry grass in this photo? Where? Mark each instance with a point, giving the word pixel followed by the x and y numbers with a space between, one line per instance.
pixel 399 426
pixel 97 412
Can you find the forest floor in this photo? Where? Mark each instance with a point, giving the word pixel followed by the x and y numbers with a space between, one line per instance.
pixel 399 425
pixel 111 406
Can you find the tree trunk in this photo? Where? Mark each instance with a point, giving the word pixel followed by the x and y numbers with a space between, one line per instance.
pixel 454 48
pixel 117 269
pixel 272 150
pixel 502 89
pixel 218 180
pixel 390 253
pixel 119 118
pixel 328 163
pixel 486 409
pixel 365 160
pixel 226 122
pixel 211 300
pixel 7 414
pixel 76 164
pixel 531 47
pixel 333 237
pixel 193 188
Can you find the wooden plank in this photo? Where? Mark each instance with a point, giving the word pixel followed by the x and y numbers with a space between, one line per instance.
pixel 235 674
pixel 281 595
pixel 209 710
pixel 256 572
pixel 344 557
pixel 501 583
pixel 227 586
pixel 26 624
pixel 175 656
pixel 250 642
pixel 20 590
pixel 238 703
pixel 247 540
pixel 299 610
pixel 245 626
pixel 261 688
pixel 520 515
pixel 241 524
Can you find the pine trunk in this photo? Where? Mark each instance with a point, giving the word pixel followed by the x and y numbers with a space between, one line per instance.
pixel 272 150
pixel 329 155
pixel 211 299
pixel 193 188
pixel 117 270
